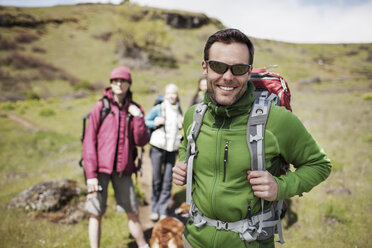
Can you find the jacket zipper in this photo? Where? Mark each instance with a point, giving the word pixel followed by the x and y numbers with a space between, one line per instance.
pixel 225 160
pixel 249 210
pixel 217 166
pixel 117 145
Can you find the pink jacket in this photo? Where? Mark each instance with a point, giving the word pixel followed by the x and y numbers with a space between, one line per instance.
pixel 99 146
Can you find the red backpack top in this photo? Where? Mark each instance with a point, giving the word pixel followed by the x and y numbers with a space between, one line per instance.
pixel 274 83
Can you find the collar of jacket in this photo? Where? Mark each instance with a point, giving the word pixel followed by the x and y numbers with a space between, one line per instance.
pixel 243 105
pixel 110 95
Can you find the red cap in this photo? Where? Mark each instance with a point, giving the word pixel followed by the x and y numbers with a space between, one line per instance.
pixel 121 72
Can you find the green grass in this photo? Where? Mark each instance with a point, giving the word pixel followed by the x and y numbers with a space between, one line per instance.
pixel 339 119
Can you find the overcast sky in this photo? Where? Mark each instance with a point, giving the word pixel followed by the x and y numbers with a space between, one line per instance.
pixel 300 21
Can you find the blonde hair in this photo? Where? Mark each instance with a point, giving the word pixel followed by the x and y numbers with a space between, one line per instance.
pixel 172 87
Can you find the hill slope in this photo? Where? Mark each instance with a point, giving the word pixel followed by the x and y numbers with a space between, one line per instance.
pixel 56 51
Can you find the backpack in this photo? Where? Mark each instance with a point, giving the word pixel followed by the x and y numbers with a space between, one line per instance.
pixel 159 100
pixel 271 88
pixel 105 110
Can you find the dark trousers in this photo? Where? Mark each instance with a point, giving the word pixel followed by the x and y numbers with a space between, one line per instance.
pixel 162 164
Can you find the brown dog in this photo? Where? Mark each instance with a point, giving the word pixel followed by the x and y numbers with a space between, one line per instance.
pixel 167 233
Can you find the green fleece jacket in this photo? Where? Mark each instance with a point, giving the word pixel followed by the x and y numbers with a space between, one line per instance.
pixel 221 190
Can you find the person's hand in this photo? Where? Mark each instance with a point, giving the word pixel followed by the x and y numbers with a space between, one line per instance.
pixel 180 173
pixel 263 185
pixel 159 121
pixel 134 110
pixel 92 184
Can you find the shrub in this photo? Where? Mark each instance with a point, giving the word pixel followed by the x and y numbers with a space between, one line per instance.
pixel 6 44
pixel 8 106
pixel 163 60
pixel 31 95
pixel 36 49
pixel 46 70
pixel 104 36
pixel 148 36
pixel 26 37
pixel 367 96
pixel 46 112
pixel 4 75
pixel 21 62
pixel 83 85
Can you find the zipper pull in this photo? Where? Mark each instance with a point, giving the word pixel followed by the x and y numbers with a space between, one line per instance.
pixel 225 159
pixel 249 210
pixel 226 151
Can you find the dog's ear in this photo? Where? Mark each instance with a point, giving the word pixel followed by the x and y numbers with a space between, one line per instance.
pixel 183 210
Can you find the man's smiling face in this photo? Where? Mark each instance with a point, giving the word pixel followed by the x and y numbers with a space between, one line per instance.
pixel 226 89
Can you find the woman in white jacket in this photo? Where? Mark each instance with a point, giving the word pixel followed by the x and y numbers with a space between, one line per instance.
pixel 166 118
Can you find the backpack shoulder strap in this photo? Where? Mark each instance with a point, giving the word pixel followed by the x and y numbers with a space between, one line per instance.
pixel 105 110
pixel 192 150
pixel 256 130
pixel 85 118
pixel 255 139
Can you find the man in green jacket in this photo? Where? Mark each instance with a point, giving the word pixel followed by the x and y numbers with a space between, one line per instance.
pixel 224 188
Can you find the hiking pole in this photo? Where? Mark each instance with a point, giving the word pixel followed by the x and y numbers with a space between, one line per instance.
pixel 81 161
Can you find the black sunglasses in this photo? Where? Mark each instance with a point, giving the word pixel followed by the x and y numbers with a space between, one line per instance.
pixel 221 68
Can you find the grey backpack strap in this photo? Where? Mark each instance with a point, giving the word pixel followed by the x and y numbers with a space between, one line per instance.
pixel 192 150
pixel 255 139
pixel 256 131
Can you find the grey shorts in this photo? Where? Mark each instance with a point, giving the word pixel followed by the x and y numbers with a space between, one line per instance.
pixel 126 200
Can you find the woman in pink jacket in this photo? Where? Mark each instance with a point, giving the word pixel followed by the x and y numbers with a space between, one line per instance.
pixel 108 153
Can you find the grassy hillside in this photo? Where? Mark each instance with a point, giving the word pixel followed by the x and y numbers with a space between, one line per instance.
pixel 57 65
pixel 68 48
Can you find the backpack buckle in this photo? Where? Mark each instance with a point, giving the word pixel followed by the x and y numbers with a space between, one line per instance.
pixel 221 225
pixel 255 138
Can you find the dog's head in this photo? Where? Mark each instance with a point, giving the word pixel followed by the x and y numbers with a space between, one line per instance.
pixel 167 233
pixel 183 210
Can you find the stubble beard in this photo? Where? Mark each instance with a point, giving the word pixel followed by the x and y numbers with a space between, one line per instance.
pixel 235 98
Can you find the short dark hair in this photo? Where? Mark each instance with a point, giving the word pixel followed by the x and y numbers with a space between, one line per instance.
pixel 229 36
